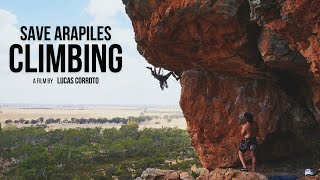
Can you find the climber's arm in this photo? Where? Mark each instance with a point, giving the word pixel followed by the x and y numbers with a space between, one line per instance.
pixel 243 130
pixel 176 76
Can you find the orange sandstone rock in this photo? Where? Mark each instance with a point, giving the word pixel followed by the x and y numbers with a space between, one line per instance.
pixel 231 174
pixel 237 56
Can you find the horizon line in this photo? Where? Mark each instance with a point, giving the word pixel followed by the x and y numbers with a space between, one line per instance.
pixel 82 104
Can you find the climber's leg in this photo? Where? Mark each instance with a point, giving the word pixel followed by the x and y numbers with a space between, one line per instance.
pixel 254 161
pixel 166 84
pixel 159 71
pixel 241 154
pixel 161 85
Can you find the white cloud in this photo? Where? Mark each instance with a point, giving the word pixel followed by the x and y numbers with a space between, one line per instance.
pixel 105 12
pixel 134 83
pixel 112 13
pixel 6 18
pixel 9 33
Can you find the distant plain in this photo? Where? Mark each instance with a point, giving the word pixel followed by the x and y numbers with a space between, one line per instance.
pixel 29 112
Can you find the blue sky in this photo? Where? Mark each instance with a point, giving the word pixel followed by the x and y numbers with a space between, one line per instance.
pixel 133 85
pixel 48 12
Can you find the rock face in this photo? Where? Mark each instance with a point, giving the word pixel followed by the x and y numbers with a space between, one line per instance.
pixel 231 174
pixel 297 22
pixel 211 104
pixel 237 56
pixel 157 174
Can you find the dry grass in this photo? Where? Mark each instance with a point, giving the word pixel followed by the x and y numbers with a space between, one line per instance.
pixel 28 113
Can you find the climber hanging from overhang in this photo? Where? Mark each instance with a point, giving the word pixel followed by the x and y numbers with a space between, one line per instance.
pixel 162 78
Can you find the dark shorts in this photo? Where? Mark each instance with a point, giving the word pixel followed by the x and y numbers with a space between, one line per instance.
pixel 248 144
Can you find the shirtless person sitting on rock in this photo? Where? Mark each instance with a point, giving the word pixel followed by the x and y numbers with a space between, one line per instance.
pixel 249 131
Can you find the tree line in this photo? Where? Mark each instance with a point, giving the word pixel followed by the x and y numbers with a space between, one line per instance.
pixel 34 153
pixel 117 120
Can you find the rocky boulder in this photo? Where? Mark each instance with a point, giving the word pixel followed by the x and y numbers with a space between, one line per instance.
pixel 236 56
pixel 231 174
pixel 157 174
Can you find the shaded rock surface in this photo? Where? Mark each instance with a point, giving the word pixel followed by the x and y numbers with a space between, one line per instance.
pixel 216 101
pixel 316 177
pixel 236 56
pixel 297 22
